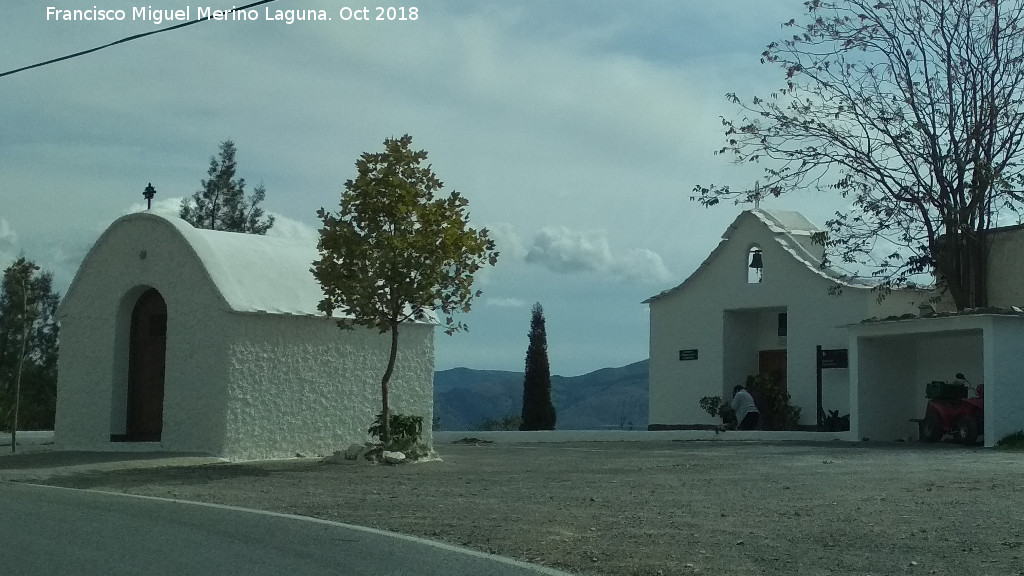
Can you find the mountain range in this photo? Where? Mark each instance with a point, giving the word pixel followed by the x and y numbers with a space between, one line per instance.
pixel 610 398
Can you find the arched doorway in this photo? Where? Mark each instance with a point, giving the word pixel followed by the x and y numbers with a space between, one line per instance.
pixel 146 355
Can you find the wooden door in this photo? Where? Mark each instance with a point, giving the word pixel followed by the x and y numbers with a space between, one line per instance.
pixel 773 362
pixel 147 353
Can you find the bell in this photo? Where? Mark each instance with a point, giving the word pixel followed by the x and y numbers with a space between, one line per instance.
pixel 755 260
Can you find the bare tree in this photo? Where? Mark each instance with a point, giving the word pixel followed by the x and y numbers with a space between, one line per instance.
pixel 913 110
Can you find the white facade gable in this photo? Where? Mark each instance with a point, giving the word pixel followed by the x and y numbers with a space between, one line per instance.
pixel 724 322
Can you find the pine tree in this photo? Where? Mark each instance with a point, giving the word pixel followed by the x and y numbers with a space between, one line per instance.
pixel 222 204
pixel 538 411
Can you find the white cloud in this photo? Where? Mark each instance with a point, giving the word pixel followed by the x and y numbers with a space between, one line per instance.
pixel 560 249
pixel 501 302
pixel 507 241
pixel 8 244
pixel 166 207
pixel 642 265
pixel 566 251
pixel 284 227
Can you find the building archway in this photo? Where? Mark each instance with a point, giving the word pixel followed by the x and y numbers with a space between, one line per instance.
pixel 147 351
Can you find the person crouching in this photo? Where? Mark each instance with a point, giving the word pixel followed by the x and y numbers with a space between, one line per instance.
pixel 746 411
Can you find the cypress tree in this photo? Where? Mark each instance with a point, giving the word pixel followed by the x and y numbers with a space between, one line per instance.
pixel 538 411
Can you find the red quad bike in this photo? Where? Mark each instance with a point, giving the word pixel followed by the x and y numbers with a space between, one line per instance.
pixel 950 411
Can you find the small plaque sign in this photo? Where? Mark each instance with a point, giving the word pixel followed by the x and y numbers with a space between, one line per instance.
pixel 688 354
pixel 838 358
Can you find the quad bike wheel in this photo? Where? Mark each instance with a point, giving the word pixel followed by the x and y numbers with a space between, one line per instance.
pixel 931 428
pixel 966 431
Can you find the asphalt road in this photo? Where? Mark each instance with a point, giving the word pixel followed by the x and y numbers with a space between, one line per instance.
pixel 50 531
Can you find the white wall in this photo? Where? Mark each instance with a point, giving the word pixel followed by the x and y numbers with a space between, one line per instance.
pixel 677 386
pixel 1005 274
pixel 835 390
pixel 302 385
pixel 95 323
pixel 884 402
pixel 1004 367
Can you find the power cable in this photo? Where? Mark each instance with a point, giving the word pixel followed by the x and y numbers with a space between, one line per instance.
pixel 123 40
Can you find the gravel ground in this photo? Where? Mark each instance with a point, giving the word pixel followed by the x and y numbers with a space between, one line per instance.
pixel 650 508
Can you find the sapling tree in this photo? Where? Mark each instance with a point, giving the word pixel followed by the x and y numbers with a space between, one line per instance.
pixel 398 250
pixel 28 347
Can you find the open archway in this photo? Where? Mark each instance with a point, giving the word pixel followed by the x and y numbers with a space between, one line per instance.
pixel 146 358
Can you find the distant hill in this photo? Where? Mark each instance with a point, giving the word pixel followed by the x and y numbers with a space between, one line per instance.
pixel 610 398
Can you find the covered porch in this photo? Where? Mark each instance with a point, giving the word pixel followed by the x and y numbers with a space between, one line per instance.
pixel 893 361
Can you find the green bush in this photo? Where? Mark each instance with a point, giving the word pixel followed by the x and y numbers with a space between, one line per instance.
pixel 406 431
pixel 1013 441
pixel 836 423
pixel 711 404
pixel 715 406
pixel 773 403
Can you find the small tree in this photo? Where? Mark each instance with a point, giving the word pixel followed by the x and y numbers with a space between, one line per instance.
pixel 28 347
pixel 395 252
pixel 221 204
pixel 538 412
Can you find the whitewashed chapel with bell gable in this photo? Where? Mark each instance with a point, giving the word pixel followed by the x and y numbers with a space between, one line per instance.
pixel 760 303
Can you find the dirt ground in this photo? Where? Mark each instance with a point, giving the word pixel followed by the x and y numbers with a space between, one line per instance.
pixel 658 508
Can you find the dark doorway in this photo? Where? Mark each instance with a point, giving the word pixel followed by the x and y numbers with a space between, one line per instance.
pixel 773 362
pixel 146 356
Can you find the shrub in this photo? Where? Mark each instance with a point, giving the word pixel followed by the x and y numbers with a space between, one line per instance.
pixel 711 404
pixel 773 403
pixel 715 406
pixel 406 431
pixel 1013 441
pixel 836 423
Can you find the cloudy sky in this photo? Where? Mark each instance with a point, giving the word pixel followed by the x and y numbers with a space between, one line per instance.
pixel 577 129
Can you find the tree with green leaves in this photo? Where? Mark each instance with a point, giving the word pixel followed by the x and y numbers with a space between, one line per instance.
pixel 398 251
pixel 28 348
pixel 911 109
pixel 221 204
pixel 538 411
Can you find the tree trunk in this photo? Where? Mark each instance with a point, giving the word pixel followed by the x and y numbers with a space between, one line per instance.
pixel 385 436
pixel 21 362
pixel 962 263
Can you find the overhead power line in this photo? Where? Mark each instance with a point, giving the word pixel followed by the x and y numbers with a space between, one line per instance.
pixel 123 40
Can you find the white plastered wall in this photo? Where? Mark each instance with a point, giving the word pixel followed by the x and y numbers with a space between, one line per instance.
pixel 302 385
pixel 93 361
pixel 1005 274
pixel 1004 367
